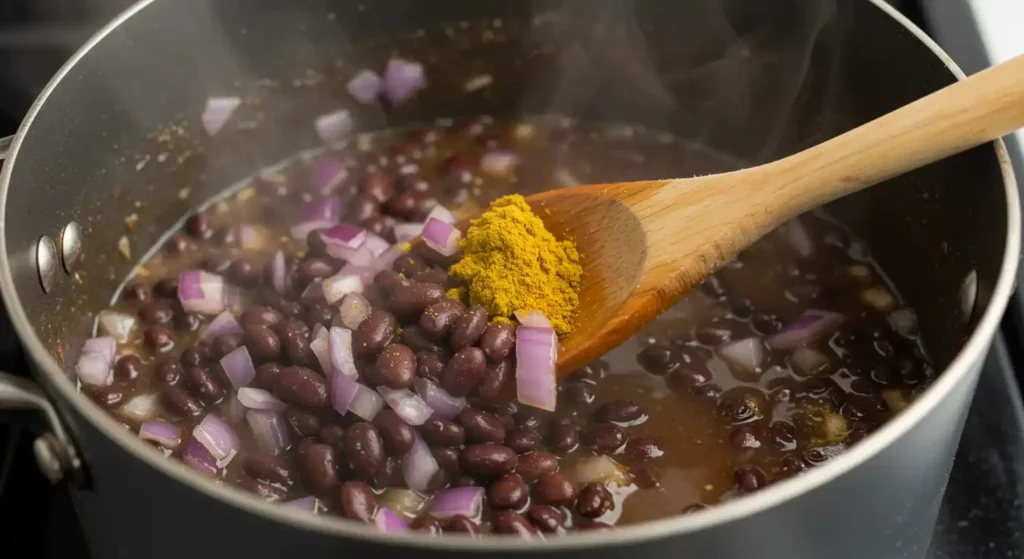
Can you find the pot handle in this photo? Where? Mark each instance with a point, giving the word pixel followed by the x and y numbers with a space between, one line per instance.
pixel 55 454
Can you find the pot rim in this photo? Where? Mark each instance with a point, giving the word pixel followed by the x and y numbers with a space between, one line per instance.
pixel 972 352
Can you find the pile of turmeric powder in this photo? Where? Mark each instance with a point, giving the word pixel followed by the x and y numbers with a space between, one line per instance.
pixel 511 262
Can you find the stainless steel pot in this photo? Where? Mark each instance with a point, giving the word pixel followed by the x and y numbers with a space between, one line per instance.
pixel 116 134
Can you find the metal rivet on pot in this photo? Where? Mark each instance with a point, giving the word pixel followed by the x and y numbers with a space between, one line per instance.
pixel 49 457
pixel 70 246
pixel 969 294
pixel 46 262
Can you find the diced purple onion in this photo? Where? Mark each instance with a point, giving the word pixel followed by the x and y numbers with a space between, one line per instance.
pixel 340 345
pixel 365 86
pixel 201 292
pixel 305 504
pixel 95 365
pixel 343 392
pixel 117 325
pixel 198 458
pixel 225 323
pixel 259 399
pixel 438 399
pixel 747 354
pixel 532 318
pixel 353 310
pixel 797 236
pixel 536 354
pixel 365 273
pixel 402 79
pixel 278 272
pixel 318 214
pixel 336 287
pixel 442 213
pixel 366 403
pixel 334 126
pixel 251 237
pixel 441 237
pixel 269 430
pixel 808 361
pixel 218 438
pixel 238 367
pixel 327 173
pixel 318 331
pixel 499 162
pixel 389 522
pixel 376 243
pixel 809 327
pixel 419 466
pixel 405 232
pixel 347 242
pixel 319 345
pixel 162 433
pixel 458 501
pixel 387 259
pixel 410 407
pixel 140 408
pixel 217 112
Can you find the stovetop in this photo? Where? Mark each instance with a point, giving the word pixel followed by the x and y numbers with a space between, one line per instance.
pixel 982 516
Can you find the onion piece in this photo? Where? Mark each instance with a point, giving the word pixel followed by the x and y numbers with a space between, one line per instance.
pixel 278 272
pixel 809 327
pixel 334 126
pixel 140 408
pixel 218 438
pixel 319 345
pixel 343 392
pixel 376 243
pixel 410 407
pixel 347 242
pixel 389 522
pixel 798 237
pixel 405 232
pixel 162 433
pixel 532 318
pixel 536 353
pixel 314 292
pixel 353 310
pixel 238 367
pixel 336 287
pixel 442 213
pixel 402 79
pixel 259 399
pixel 117 325
pixel 419 466
pixel 306 504
pixel 269 430
pixel 234 410
pixel 318 214
pixel 225 323
pixel 808 361
pixel 217 112
pixel 365 86
pixel 95 365
pixel 343 363
pixel 499 162
pixel 326 173
pixel 387 259
pixel 438 399
pixel 366 403
pixel 198 458
pixel 441 237
pixel 601 469
pixel 201 292
pixel 251 237
pixel 747 354
pixel 464 501
pixel 406 502
pixel 904 322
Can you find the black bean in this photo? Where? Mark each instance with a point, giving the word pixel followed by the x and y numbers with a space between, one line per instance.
pixel 488 459
pixel 460 523
pixel 495 379
pixel 315 244
pixel 269 468
pixel 507 492
pixel 136 292
pixel 409 265
pixel 401 205
pixel 594 500
pixel 179 244
pixel 791 465
pixel 464 371
pixel 530 418
pixel 658 359
pixel 332 434
pixel 364 450
pixel 397 366
pixel 620 411
pixel 465 481
pixel 301 387
pixel 546 518
pixel 188 322
pixel 257 315
pixel 563 438
pixel 429 365
pixel 469 327
pixel 497 341
pixel 180 402
pixel 578 393
pixel 603 437
pixel 414 337
pixel 645 448
pixel 225 236
pixel 262 343
pixel 437 320
pixel 534 465
pixel 198 226
pixel 110 396
pixel 750 478
pixel 358 501
pixel 319 469
pixel 685 379
pixel 713 335
pixel 361 208
pixel 523 440
pixel 166 288
pixel 319 312
pixel 295 343
pixel 398 435
pixel 128 367
pixel 224 344
pixel 377 185
pixel 509 522
pixel 155 312
pixel 278 302
pixel 265 375
pixel 374 333
pixel 159 339
pixel 168 372
pixel 302 423
pixel 387 280
pixel 481 426
pixel 310 269
pixel 427 523
pixel 441 432
pixel 447 458
pixel 554 489
pixel 244 272
pixel 204 385
pixel 412 299
pixel 216 263
pixel 433 275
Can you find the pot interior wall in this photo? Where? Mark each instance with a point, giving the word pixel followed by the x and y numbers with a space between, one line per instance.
pixel 120 136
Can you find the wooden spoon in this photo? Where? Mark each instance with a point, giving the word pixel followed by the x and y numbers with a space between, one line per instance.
pixel 645 244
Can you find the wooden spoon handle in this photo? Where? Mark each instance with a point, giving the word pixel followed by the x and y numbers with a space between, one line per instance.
pixel 971 112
